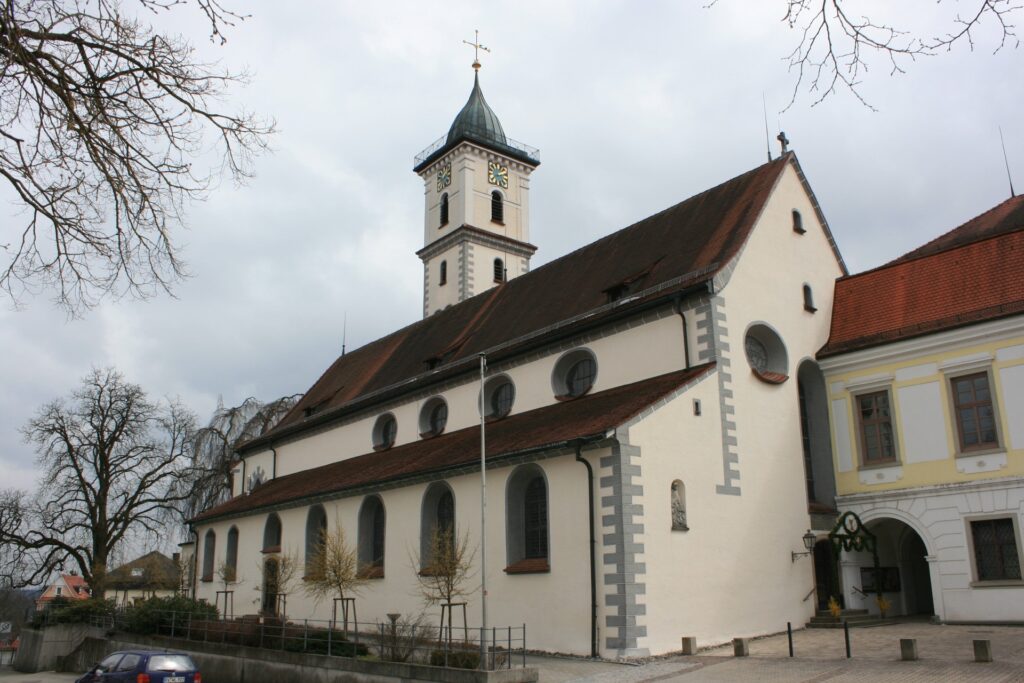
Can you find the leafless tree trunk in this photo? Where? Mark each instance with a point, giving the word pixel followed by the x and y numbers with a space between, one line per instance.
pixel 109 457
pixel 101 120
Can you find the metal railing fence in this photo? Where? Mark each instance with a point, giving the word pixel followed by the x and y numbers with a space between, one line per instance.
pixel 394 640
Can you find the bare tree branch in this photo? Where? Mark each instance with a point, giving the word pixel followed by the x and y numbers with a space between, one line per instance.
pixel 101 118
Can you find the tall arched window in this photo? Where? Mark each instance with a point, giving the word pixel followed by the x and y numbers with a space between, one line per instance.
pixel 231 556
pixel 497 207
pixel 499 270
pixel 437 522
pixel 371 538
pixel 444 209
pixel 443 278
pixel 209 547
pixel 527 526
pixel 316 530
pixel 272 534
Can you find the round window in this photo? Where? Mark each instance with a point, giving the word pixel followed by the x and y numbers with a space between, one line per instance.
pixel 438 418
pixel 433 417
pixel 385 431
pixel 501 399
pixel 575 374
pixel 581 377
pixel 766 354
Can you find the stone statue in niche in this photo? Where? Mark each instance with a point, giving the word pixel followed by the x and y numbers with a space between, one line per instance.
pixel 678 507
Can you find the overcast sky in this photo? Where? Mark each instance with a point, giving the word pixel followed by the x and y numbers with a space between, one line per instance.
pixel 634 106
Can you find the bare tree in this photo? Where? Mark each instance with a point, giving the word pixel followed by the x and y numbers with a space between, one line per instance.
pixel 101 120
pixel 279 572
pixel 443 573
pixel 334 571
pixel 213 449
pixel 109 457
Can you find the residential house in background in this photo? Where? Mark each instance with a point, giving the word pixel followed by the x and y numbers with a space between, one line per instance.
pixel 152 575
pixel 67 586
pixel 925 376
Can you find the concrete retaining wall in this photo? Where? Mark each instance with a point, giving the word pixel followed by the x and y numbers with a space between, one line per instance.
pixel 41 649
pixel 237 664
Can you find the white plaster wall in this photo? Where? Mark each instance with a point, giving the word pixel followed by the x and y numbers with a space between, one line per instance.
pixel 762 525
pixel 513 599
pixel 441 296
pixel 646 350
pixel 940 515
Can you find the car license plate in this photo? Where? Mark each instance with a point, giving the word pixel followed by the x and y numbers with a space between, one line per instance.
pixel 174 679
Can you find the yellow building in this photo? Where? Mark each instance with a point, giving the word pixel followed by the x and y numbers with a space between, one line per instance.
pixel 924 371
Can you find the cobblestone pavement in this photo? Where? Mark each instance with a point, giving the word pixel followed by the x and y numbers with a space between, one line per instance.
pixel 946 654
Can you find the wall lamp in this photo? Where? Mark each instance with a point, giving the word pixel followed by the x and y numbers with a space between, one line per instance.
pixel 809 539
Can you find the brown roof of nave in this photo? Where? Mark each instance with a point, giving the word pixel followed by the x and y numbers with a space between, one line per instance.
pixel 674 250
pixel 977 281
pixel 589 416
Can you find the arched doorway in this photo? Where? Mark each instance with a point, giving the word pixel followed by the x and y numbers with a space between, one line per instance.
pixel 903 569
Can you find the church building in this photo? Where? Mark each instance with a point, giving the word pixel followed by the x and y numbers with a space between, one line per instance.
pixel 653 451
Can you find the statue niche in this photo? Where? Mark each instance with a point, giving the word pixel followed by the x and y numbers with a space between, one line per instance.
pixel 679 506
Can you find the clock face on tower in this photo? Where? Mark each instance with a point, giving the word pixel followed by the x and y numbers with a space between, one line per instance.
pixel 444 177
pixel 497 174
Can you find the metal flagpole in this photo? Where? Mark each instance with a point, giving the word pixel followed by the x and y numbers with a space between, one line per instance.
pixel 483 517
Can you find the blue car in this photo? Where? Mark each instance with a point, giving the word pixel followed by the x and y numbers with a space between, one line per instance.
pixel 144 666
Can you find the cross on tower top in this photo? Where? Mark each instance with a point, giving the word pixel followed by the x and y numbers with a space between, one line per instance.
pixel 476 49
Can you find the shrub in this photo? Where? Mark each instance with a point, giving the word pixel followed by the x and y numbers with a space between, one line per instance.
pixel 157 615
pixel 64 611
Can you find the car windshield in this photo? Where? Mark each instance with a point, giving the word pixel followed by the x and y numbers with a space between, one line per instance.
pixel 170 663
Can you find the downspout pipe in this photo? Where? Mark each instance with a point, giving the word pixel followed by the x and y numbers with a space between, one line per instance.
pixel 593 549
pixel 677 304
pixel 273 466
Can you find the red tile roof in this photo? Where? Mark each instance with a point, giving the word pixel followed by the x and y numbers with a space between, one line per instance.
pixel 979 281
pixel 669 252
pixel 1000 219
pixel 586 417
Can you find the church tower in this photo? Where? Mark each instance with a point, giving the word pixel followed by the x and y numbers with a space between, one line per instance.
pixel 476 185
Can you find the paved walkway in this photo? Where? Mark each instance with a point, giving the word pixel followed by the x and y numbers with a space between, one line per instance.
pixel 946 653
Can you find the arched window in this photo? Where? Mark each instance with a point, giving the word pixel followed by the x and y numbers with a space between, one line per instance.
pixel 809 299
pixel 272 534
pixel 798 223
pixel 497 207
pixel 231 556
pixel 371 538
pixel 437 522
pixel 679 506
pixel 316 530
pixel 443 278
pixel 527 521
pixel 444 209
pixel 499 270
pixel 209 547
